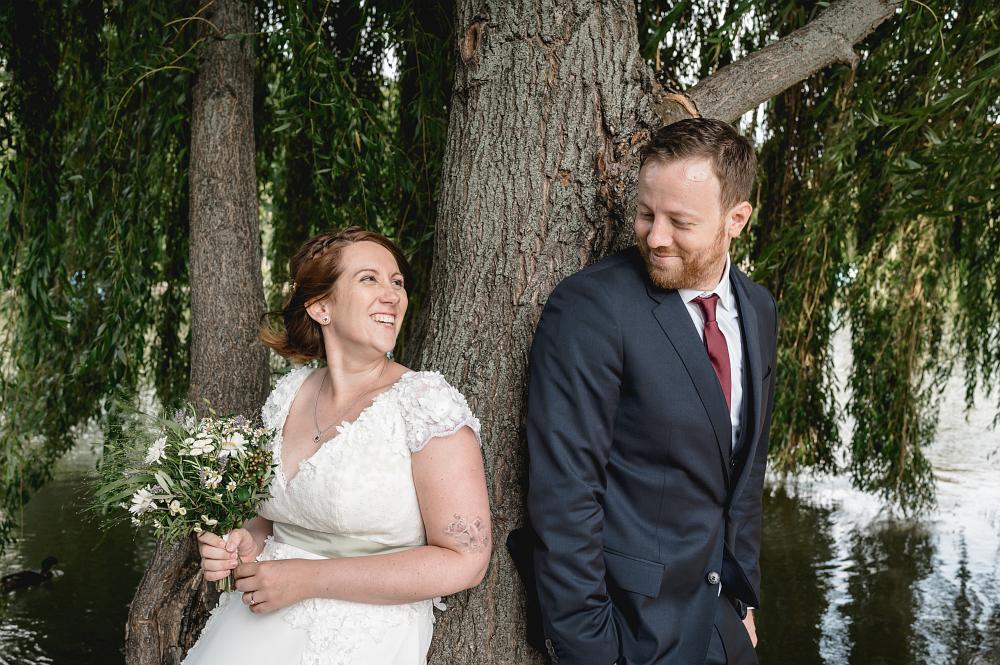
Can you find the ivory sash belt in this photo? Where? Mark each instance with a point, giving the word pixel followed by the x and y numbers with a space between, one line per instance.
pixel 330 545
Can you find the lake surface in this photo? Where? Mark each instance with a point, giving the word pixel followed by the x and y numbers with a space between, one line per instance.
pixel 78 616
pixel 844 581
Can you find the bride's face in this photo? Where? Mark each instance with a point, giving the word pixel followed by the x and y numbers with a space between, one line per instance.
pixel 368 300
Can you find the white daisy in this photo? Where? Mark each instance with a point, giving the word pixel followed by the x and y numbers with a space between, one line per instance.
pixel 232 445
pixel 157 451
pixel 201 447
pixel 142 501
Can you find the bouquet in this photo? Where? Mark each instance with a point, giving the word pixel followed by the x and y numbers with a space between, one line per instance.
pixel 185 475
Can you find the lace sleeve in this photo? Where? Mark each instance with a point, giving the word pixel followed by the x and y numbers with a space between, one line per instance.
pixel 432 407
pixel 281 395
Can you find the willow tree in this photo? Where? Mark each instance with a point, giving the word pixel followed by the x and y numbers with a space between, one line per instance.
pixel 551 102
pixel 229 368
pixel 876 199
pixel 93 244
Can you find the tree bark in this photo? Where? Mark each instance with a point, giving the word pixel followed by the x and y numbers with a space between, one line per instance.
pixel 551 102
pixel 548 104
pixel 229 369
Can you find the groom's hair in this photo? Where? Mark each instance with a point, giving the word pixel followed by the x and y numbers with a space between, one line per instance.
pixel 731 154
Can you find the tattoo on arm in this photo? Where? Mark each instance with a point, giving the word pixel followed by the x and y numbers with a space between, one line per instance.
pixel 470 533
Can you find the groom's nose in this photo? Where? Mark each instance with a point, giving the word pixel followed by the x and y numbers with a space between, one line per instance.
pixel 660 234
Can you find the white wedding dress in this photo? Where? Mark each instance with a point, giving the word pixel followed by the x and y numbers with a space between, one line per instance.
pixel 353 497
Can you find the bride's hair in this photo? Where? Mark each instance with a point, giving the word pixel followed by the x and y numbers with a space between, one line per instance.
pixel 314 269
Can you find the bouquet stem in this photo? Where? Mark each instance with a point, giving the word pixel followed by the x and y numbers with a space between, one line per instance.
pixel 227 583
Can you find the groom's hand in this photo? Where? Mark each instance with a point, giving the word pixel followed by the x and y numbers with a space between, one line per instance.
pixel 751 628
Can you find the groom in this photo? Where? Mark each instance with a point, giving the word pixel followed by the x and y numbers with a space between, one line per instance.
pixel 648 412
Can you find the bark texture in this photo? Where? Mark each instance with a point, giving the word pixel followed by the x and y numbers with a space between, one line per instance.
pixel 550 103
pixel 229 367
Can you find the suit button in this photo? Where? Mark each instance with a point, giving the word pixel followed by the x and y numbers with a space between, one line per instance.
pixel 713 578
pixel 553 656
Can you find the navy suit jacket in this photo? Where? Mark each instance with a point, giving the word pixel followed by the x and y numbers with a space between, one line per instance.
pixel 635 496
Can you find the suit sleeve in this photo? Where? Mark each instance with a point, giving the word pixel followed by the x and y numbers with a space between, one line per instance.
pixel 748 513
pixel 575 377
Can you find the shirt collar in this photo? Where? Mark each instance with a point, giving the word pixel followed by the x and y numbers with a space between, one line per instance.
pixel 724 290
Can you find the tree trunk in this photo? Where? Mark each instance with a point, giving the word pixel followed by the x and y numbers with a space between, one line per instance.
pixel 550 104
pixel 229 369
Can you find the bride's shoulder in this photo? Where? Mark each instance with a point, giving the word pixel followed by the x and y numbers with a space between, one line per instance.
pixel 281 395
pixel 432 407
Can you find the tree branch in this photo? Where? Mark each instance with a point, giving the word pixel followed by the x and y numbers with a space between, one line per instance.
pixel 737 88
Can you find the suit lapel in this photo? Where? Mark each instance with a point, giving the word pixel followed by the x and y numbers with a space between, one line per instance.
pixel 751 338
pixel 673 317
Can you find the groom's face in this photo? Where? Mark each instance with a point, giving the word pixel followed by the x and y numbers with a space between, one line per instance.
pixel 680 227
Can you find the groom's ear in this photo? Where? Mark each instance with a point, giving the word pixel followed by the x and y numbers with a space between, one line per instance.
pixel 737 218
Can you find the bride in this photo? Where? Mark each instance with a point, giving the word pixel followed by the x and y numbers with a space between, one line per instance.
pixel 378 502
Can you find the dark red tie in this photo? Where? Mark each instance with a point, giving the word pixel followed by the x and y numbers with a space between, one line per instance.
pixel 715 344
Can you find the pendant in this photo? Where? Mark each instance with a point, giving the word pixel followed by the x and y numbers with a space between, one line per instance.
pixel 316 439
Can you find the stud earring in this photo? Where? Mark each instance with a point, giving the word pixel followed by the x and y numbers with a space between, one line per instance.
pixel 326 320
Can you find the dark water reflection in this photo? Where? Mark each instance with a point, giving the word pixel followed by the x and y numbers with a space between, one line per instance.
pixel 79 616
pixel 793 589
pixel 845 581
pixel 888 593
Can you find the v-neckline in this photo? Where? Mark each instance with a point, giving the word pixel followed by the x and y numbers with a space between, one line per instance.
pixel 341 428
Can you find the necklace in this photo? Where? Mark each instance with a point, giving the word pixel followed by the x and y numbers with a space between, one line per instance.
pixel 321 432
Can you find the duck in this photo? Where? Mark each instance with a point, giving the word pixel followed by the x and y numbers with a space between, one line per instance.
pixel 26 578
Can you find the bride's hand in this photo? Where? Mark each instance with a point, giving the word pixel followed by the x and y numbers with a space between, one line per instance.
pixel 220 556
pixel 271 585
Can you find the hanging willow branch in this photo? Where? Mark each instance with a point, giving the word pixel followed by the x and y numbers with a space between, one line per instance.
pixel 875 210
pixel 94 143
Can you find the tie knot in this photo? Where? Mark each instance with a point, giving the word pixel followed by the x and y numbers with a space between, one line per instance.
pixel 707 304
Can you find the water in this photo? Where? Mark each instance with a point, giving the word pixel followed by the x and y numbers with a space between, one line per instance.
pixel 78 616
pixel 844 582
pixel 847 582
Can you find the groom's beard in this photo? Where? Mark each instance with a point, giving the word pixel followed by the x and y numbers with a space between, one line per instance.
pixel 695 270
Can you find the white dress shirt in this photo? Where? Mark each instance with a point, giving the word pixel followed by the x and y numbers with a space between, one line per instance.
pixel 727 315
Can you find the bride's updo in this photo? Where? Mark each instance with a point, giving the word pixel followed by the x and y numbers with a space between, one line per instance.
pixel 314 269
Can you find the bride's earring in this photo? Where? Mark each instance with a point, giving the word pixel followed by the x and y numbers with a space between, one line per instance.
pixel 326 320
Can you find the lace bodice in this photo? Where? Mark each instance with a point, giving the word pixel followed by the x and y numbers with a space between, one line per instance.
pixel 359 482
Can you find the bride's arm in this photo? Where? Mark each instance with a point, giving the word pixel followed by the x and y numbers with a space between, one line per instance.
pixel 451 488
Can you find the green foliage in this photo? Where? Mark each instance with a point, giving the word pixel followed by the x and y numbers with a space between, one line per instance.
pixel 93 164
pixel 342 140
pixel 95 102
